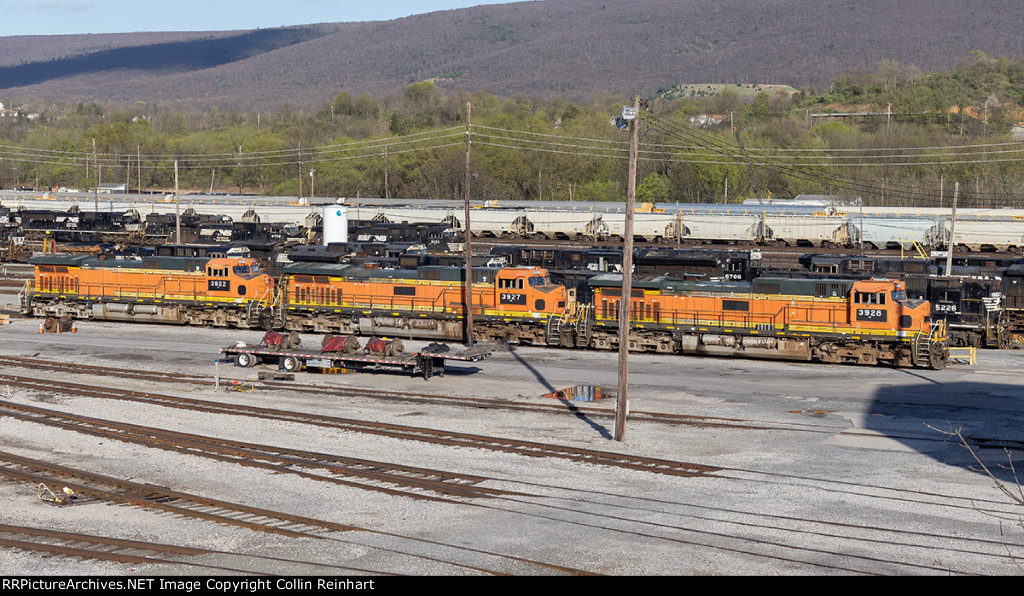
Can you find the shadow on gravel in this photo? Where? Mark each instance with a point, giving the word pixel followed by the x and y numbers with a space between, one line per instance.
pixel 605 433
pixel 460 371
pixel 959 424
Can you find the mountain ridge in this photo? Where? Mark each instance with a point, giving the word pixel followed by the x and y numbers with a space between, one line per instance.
pixel 568 48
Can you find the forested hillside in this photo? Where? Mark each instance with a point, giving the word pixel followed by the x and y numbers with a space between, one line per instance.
pixel 892 135
pixel 572 49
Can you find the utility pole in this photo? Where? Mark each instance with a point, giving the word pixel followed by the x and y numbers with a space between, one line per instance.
pixel 177 205
pixel 387 191
pixel 96 184
pixel 467 235
pixel 626 304
pixel 239 169
pixel 952 225
pixel 312 186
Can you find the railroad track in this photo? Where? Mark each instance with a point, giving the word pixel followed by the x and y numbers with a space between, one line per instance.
pixel 562 406
pixel 91 487
pixel 97 487
pixel 122 550
pixel 419 483
pixel 439 437
pixel 94 547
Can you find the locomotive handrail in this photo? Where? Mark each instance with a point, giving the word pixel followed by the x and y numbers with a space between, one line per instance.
pixel 25 297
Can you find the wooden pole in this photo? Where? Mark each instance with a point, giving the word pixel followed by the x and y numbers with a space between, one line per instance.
pixel 468 245
pixel 177 205
pixel 96 183
pixel 952 226
pixel 626 304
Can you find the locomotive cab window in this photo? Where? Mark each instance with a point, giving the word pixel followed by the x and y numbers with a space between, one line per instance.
pixel 869 298
pixel 510 284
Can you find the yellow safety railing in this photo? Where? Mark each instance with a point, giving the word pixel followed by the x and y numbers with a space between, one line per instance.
pixel 968 354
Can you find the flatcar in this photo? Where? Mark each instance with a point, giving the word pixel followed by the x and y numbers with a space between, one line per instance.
pixel 225 291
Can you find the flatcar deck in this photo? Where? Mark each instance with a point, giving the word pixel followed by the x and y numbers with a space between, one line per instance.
pixel 427 363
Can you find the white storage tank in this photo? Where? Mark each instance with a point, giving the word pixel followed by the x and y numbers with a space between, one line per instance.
pixel 335 224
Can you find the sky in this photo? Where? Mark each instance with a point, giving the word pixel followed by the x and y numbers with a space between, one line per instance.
pixel 58 17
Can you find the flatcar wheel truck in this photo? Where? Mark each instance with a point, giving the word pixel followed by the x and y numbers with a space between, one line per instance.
pixel 427 363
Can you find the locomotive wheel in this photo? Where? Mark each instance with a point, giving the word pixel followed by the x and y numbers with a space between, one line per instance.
pixel 293 341
pixel 351 345
pixel 290 364
pixel 937 356
pixel 245 360
pixel 566 338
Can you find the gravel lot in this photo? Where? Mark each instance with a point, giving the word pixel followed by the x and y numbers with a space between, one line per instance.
pixel 840 469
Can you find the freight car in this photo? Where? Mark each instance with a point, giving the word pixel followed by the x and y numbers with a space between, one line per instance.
pixel 197 291
pixel 877 227
pixel 343 352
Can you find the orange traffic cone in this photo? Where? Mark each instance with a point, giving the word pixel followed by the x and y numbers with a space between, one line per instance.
pixel 73 328
pixel 40 327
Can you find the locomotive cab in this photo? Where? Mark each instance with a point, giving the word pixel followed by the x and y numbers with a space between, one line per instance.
pixel 530 289
pixel 883 304
pixel 239 278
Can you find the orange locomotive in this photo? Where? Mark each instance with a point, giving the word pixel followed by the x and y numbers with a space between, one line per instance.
pixel 429 302
pixel 828 320
pixel 227 291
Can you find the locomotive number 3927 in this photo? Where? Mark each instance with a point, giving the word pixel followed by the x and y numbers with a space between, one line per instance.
pixel 871 314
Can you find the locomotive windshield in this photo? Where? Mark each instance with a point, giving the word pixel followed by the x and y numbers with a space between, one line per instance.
pixel 899 295
pixel 246 271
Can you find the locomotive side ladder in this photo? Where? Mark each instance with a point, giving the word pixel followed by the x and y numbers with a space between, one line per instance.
pixel 576 325
pixel 929 349
pixel 25 298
